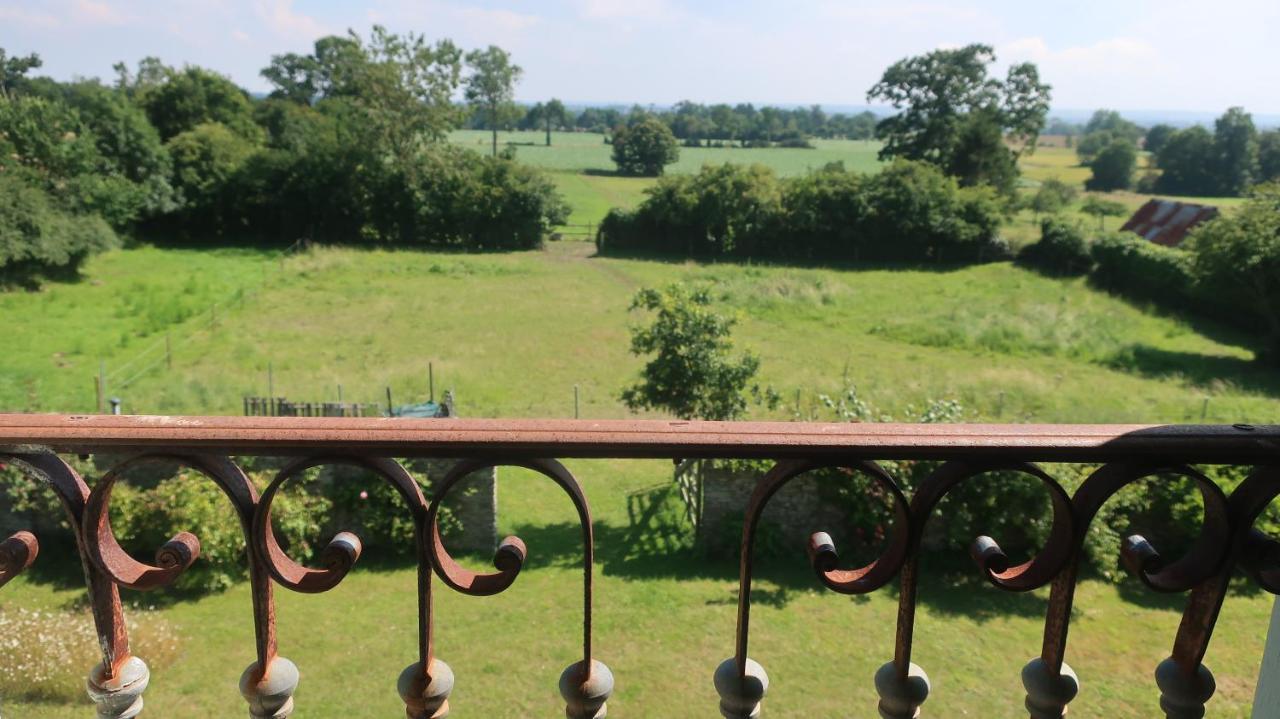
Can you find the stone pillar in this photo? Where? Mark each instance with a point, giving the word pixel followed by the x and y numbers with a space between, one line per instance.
pixel 797 511
pixel 474 501
pixel 1266 700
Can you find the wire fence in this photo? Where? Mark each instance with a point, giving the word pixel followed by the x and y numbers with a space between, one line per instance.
pixel 161 352
pixel 585 232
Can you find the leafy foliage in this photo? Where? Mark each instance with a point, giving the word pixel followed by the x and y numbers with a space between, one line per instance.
pixel 953 115
pixel 644 148
pixel 194 96
pixel 1135 267
pixel 909 211
pixel 1052 197
pixel 1062 250
pixel 491 87
pixel 38 239
pixel 1240 254
pixel 1113 167
pixel 693 374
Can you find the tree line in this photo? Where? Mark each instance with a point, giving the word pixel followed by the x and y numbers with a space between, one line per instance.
pixel 349 146
pixel 1224 162
pixel 694 124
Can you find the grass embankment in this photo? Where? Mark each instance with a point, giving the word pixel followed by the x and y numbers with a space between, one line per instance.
pixel 512 334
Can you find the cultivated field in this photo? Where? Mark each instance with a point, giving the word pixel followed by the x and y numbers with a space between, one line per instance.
pixel 512 334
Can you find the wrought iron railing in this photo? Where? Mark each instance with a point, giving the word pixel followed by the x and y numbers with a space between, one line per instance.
pixel 1227 539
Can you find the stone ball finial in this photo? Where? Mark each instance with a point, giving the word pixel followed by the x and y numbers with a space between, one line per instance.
pixel 426 694
pixel 1183 695
pixel 270 693
pixel 119 697
pixel 1048 692
pixel 900 698
pixel 585 697
pixel 740 695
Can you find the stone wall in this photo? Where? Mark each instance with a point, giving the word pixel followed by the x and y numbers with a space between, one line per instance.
pixel 473 501
pixel 791 516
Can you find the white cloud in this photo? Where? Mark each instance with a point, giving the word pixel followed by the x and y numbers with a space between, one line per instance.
pixel 628 10
pixel 504 19
pixel 1099 56
pixel 280 17
pixel 98 13
pixel 19 16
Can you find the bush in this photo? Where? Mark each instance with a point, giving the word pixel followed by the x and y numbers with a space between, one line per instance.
pixel 1131 266
pixel 1062 250
pixel 40 240
pixel 144 519
pixel 910 212
pixel 723 210
pixel 644 148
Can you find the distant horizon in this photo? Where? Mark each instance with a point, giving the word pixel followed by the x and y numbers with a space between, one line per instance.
pixel 1142 116
pixel 1130 56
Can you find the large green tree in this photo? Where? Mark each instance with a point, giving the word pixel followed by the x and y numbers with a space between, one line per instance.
pixel 1113 167
pixel 13 71
pixel 1269 155
pixel 644 148
pixel 1235 145
pixel 1238 253
pixel 935 94
pixel 1186 163
pixel 491 87
pixel 194 96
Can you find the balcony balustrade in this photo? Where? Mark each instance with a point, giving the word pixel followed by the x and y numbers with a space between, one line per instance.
pixel 1227 541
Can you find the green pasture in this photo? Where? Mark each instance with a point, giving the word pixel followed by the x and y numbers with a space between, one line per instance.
pixel 583 171
pixel 513 333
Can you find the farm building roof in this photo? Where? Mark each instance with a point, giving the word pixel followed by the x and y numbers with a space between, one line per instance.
pixel 1167 222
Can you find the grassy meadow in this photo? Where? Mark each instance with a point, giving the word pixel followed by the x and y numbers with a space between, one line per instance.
pixel 512 334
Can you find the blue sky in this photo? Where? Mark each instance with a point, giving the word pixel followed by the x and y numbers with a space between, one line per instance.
pixel 1125 54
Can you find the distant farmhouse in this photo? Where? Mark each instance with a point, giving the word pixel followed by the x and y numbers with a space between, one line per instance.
pixel 1166 222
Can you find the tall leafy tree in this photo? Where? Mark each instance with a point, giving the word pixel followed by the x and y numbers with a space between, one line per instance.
pixel 491 86
pixel 1156 137
pixel 1235 144
pixel 1113 167
pixel 1269 155
pixel 13 71
pixel 193 96
pixel 1238 253
pixel 936 93
pixel 1186 163
pixel 549 116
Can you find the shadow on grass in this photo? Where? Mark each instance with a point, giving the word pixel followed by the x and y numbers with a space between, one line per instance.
pixel 790 263
pixel 1201 370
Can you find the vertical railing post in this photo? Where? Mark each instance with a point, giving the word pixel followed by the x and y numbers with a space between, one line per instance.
pixel 1267 697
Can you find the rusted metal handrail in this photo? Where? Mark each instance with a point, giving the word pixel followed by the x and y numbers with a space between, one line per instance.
pixel 1126 453
pixel 567 438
